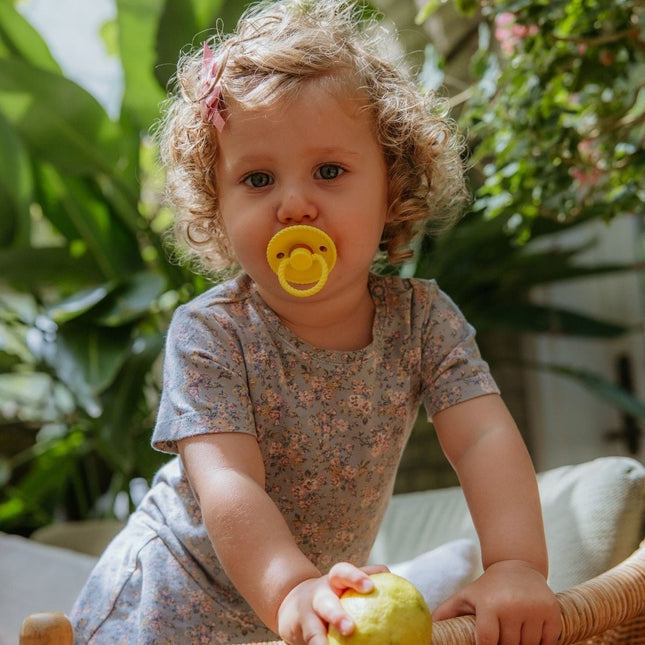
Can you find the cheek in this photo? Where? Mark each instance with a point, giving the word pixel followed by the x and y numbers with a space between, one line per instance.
pixel 379 209
pixel 248 243
pixel 377 193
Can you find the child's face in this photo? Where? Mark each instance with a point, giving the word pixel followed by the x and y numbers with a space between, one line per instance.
pixel 311 160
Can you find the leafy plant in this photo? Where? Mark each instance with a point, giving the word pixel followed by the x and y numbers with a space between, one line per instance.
pixel 556 119
pixel 559 111
pixel 86 289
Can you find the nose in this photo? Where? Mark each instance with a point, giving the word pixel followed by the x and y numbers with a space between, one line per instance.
pixel 296 207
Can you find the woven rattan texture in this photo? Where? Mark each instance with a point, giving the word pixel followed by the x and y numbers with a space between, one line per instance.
pixel 607 610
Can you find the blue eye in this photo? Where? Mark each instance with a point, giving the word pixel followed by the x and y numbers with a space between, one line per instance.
pixel 258 179
pixel 329 171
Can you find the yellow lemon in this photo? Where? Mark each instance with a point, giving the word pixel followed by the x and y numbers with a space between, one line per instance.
pixel 393 613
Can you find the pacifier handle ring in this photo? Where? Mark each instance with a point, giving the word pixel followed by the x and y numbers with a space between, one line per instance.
pixel 303 293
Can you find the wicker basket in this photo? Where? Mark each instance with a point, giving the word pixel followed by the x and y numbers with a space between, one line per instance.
pixel 606 610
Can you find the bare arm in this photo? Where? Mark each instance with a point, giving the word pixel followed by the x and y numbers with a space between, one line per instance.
pixel 511 601
pixel 254 543
pixel 484 446
pixel 249 535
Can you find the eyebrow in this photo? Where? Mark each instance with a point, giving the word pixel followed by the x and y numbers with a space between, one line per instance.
pixel 259 158
pixel 333 150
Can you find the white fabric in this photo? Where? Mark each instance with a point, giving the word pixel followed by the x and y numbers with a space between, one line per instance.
pixel 593 515
pixel 439 573
pixel 34 578
pixel 418 522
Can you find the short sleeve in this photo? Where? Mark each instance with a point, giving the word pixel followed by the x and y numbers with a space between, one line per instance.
pixel 453 369
pixel 204 380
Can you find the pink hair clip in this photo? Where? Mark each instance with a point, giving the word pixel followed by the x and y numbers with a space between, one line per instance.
pixel 211 101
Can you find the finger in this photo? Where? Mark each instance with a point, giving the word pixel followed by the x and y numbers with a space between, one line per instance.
pixel 551 631
pixel 318 639
pixel 487 630
pixel 375 568
pixel 314 631
pixel 511 633
pixel 327 606
pixel 344 575
pixel 531 632
pixel 454 606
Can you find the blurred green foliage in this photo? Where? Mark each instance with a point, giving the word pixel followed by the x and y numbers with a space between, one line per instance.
pixel 86 288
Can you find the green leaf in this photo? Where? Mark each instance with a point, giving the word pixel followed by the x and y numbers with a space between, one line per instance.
pixel 18 306
pixel 59 121
pixel 467 7
pixel 184 24
pixel 78 304
pixel 19 39
pixel 87 358
pixel 600 387
pixel 5 471
pixel 531 318
pixel 177 27
pixel 428 10
pixel 16 188
pixel 230 11
pixel 33 268
pixel 79 211
pixel 32 394
pixel 138 22
pixel 207 11
pixel 131 300
pixel 126 396
pixel 13 348
pixel 34 498
pixel 534 270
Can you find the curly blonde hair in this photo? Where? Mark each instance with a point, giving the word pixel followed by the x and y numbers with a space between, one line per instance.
pixel 276 47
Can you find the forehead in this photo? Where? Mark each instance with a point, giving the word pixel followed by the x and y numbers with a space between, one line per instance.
pixel 314 112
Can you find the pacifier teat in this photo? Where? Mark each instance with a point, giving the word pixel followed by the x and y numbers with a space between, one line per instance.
pixel 301 255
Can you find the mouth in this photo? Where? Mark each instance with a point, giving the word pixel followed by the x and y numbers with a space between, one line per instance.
pixel 302 257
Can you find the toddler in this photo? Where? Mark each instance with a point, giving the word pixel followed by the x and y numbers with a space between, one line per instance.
pixel 296 149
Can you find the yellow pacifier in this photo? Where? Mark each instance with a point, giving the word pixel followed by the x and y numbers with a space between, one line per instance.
pixel 301 255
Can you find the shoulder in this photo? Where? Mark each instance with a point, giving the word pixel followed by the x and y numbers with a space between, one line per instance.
pixel 228 294
pixel 417 293
pixel 214 322
pixel 228 300
pixel 418 308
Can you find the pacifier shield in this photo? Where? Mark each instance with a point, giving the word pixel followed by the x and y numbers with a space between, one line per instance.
pixel 301 254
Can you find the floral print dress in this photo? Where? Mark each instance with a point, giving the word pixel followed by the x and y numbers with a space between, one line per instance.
pixel 331 426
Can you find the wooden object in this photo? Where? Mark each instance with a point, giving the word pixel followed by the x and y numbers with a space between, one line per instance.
pixel 606 610
pixel 51 628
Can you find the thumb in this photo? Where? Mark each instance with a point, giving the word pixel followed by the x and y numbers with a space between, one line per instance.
pixel 456 605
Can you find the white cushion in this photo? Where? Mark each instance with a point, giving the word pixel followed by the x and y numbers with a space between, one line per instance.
pixel 418 522
pixel 34 578
pixel 439 573
pixel 593 515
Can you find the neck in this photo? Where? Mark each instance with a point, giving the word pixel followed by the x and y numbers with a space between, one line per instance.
pixel 342 322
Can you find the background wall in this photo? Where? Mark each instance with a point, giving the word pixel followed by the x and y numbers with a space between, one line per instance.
pixel 568 423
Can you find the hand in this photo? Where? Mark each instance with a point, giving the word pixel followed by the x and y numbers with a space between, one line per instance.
pixel 311 605
pixel 512 605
